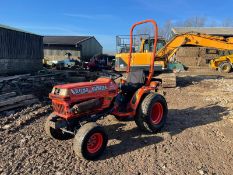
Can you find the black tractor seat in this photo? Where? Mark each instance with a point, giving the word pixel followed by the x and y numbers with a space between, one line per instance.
pixel 134 81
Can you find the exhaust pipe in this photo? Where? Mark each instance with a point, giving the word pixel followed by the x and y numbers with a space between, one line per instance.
pixel 87 105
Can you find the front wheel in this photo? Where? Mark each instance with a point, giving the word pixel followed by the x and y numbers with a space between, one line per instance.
pixel 224 67
pixel 90 141
pixel 152 113
pixel 57 134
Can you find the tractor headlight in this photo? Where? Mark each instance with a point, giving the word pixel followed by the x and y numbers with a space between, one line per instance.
pixel 61 92
pixel 53 90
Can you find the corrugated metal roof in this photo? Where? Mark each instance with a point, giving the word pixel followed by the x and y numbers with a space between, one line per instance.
pixel 16 29
pixel 65 40
pixel 223 31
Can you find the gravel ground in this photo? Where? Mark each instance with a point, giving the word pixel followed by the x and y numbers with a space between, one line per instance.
pixel 197 138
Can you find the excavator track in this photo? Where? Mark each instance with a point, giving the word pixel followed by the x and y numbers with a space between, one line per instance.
pixel 168 79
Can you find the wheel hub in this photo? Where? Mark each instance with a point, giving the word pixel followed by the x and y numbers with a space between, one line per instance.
pixel 225 67
pixel 95 142
pixel 157 113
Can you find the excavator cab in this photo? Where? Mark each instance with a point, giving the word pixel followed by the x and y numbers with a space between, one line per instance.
pixel 147 45
pixel 142 47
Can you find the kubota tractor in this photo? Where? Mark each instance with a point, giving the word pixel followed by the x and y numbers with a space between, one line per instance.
pixel 78 106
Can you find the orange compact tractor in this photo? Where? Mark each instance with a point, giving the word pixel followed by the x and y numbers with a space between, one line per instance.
pixel 78 106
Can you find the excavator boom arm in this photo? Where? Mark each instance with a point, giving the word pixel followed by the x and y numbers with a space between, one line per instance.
pixel 193 39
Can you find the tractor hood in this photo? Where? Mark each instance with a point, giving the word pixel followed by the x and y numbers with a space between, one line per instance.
pixel 98 86
pixel 99 81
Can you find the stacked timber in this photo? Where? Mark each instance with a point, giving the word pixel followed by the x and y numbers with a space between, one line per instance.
pixel 24 90
pixel 11 100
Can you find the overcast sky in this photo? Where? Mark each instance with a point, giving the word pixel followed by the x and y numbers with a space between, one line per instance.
pixel 104 19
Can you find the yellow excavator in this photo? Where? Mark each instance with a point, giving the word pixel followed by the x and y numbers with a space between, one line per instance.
pixel 141 57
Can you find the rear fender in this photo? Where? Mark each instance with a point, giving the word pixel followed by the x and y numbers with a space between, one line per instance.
pixel 139 95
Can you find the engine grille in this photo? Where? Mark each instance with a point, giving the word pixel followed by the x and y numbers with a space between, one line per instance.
pixel 59 108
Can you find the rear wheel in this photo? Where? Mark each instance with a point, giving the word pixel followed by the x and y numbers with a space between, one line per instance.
pixel 224 67
pixel 152 113
pixel 90 141
pixel 57 134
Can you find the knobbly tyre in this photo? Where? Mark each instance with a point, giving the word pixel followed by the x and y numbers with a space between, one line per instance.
pixel 78 106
